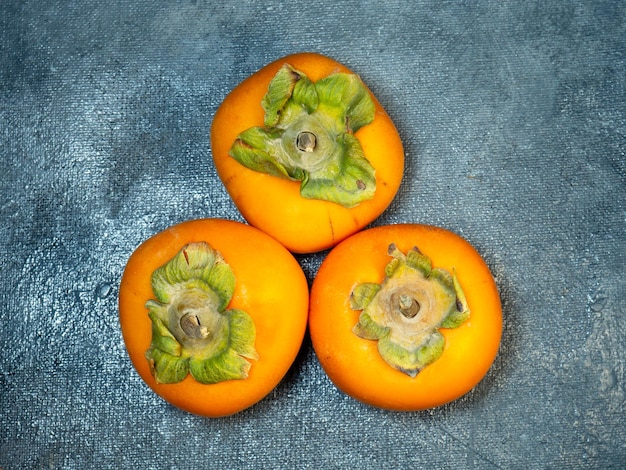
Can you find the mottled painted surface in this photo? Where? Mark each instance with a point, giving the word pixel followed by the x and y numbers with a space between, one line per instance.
pixel 514 123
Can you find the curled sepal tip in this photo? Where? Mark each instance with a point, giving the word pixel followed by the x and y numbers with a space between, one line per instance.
pixel 193 332
pixel 307 136
pixel 405 312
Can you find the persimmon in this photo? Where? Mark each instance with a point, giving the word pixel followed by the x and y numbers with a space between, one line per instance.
pixel 307 152
pixel 213 313
pixel 405 317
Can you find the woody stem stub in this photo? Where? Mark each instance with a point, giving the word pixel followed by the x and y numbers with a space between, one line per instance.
pixel 408 306
pixel 306 141
pixel 190 324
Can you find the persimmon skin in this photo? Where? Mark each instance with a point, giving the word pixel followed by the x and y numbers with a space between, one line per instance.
pixel 274 205
pixel 354 365
pixel 270 286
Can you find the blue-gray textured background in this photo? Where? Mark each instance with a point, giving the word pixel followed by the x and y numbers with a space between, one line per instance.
pixel 513 116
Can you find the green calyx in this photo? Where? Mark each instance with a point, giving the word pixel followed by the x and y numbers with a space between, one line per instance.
pixel 404 312
pixel 307 136
pixel 192 330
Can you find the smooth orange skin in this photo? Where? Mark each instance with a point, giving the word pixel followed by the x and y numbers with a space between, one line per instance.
pixel 274 205
pixel 354 364
pixel 270 286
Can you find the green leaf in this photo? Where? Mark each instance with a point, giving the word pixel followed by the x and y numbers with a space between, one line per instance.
pixel 411 361
pixel 363 294
pixel 431 350
pixel 162 338
pixel 419 262
pixel 221 279
pixel 257 160
pixel 460 311
pixel 242 333
pixel 367 328
pixel 262 138
pixel 226 366
pixel 455 318
pixel 189 263
pixel 166 368
pixel 392 267
pixel 444 278
pixel 305 94
pixel 348 99
pixel 462 304
pixel 279 91
pixel 398 357
pixel 156 309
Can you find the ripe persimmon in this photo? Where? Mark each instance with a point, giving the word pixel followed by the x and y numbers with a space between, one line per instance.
pixel 307 152
pixel 405 317
pixel 213 313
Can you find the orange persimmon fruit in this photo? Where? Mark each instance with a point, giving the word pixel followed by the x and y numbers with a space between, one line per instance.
pixel 405 317
pixel 213 313
pixel 306 152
